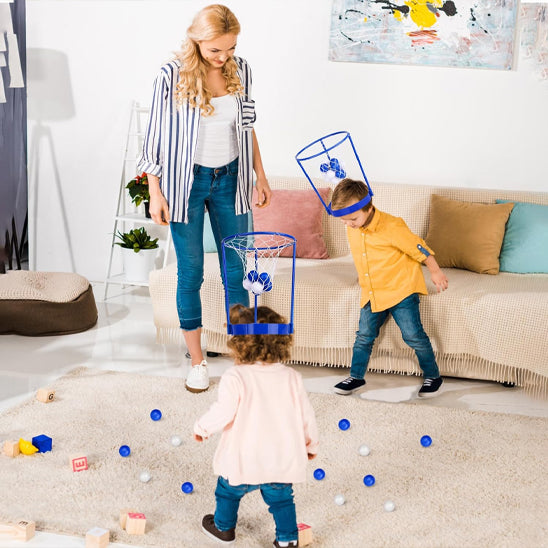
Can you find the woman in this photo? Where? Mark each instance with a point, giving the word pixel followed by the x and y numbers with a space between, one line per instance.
pixel 199 152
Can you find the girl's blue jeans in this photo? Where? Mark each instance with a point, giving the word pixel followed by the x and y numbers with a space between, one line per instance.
pixel 407 316
pixel 214 188
pixel 278 497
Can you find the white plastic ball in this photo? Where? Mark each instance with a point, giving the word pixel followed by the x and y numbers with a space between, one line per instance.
pixel 389 506
pixel 176 441
pixel 144 477
pixel 339 500
pixel 364 450
pixel 257 288
pixel 247 284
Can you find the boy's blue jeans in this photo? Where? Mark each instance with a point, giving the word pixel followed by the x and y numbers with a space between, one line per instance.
pixel 407 316
pixel 214 188
pixel 278 497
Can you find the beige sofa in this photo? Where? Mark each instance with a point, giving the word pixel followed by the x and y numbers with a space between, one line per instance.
pixel 490 327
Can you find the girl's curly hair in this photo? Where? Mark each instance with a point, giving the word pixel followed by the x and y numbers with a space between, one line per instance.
pixel 208 24
pixel 258 348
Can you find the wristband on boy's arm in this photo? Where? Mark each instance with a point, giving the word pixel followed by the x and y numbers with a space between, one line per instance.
pixel 423 250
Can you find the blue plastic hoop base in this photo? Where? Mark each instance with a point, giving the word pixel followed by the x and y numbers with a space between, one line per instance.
pixel 350 209
pixel 260 328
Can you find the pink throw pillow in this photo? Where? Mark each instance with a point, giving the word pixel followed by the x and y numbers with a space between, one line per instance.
pixel 298 213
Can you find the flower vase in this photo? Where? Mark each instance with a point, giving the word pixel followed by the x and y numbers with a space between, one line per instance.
pixel 147 210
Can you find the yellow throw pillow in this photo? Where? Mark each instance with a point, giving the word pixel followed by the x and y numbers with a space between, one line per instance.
pixel 467 235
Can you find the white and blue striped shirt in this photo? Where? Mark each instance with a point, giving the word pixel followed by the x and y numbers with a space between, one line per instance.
pixel 171 137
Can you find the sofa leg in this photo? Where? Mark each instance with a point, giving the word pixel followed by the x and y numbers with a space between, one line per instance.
pixel 508 384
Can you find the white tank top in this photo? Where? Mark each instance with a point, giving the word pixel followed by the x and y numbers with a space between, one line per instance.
pixel 217 141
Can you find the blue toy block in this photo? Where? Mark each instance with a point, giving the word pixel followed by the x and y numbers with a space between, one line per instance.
pixel 42 443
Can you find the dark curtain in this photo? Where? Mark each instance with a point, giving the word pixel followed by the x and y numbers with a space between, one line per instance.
pixel 13 156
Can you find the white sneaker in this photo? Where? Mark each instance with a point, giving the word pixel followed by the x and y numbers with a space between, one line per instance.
pixel 197 379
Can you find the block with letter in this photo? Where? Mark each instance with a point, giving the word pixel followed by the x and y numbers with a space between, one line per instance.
pixel 42 443
pixel 22 530
pixel 79 463
pixel 97 538
pixel 123 516
pixel 45 395
pixel 135 523
pixel 305 534
pixel 11 448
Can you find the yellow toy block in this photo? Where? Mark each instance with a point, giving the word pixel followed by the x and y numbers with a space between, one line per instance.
pixel 26 447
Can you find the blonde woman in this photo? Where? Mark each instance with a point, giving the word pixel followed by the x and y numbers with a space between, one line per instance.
pixel 200 152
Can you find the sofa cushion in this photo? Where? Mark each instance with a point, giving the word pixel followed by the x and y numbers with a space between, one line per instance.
pixel 467 235
pixel 298 213
pixel 526 239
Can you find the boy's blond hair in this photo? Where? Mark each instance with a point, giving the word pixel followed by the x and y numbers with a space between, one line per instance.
pixel 348 192
pixel 258 348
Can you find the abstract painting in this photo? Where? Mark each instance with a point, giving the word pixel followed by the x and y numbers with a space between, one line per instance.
pixel 534 36
pixel 450 33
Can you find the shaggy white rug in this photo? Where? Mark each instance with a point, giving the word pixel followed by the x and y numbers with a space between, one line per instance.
pixel 482 482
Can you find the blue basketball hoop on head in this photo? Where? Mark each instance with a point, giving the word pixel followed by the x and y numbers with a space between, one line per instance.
pixel 333 158
pixel 259 253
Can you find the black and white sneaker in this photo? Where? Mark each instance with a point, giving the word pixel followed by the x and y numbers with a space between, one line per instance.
pixel 430 387
pixel 348 386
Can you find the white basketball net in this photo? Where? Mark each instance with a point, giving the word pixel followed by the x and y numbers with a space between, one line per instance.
pixel 259 253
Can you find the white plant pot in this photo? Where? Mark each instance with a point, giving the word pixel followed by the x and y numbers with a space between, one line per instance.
pixel 137 266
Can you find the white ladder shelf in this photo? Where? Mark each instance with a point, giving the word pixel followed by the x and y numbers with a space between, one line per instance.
pixel 126 212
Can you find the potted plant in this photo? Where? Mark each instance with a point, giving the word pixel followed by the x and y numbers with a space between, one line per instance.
pixel 138 191
pixel 138 253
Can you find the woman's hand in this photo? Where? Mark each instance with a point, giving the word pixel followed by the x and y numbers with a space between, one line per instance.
pixel 158 209
pixel 264 192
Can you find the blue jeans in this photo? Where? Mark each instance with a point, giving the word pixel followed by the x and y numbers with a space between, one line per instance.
pixel 407 316
pixel 278 496
pixel 214 188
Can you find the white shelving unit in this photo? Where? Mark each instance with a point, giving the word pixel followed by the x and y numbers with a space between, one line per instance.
pixel 127 214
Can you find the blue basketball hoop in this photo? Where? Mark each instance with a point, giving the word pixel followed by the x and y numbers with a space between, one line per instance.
pixel 333 158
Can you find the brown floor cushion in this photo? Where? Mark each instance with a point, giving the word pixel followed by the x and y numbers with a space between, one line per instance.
pixel 45 303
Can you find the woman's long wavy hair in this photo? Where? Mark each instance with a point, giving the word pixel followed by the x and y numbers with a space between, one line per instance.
pixel 208 24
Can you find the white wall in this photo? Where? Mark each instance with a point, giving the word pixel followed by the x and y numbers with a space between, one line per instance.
pixel 410 124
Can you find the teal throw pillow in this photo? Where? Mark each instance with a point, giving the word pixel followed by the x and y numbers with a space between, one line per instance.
pixel 209 239
pixel 525 245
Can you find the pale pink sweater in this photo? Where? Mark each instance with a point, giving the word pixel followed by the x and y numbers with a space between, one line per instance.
pixel 268 425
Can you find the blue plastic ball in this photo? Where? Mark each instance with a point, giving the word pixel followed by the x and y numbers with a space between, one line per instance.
pixel 426 441
pixel 253 276
pixel 124 450
pixel 369 480
pixel 155 414
pixel 334 164
pixel 344 424
pixel 324 168
pixel 264 278
pixel 319 474
pixel 340 173
pixel 187 487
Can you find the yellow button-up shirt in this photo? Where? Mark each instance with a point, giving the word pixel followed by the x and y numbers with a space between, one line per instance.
pixel 387 257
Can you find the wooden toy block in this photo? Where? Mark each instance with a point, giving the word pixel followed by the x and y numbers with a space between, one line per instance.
pixel 22 530
pixel 11 448
pixel 45 395
pixel 78 463
pixel 42 443
pixel 135 523
pixel 97 538
pixel 123 516
pixel 305 534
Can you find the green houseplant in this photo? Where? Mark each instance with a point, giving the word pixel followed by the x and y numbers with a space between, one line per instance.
pixel 136 239
pixel 138 254
pixel 138 191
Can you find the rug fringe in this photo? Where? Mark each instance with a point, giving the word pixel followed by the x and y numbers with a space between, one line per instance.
pixel 403 362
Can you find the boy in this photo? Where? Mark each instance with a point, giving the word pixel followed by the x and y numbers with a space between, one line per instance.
pixel 387 256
